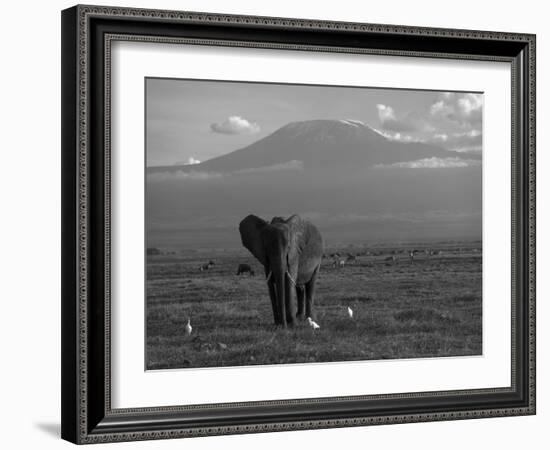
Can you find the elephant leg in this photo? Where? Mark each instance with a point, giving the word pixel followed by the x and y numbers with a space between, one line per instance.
pixel 300 297
pixel 310 294
pixel 273 298
pixel 290 291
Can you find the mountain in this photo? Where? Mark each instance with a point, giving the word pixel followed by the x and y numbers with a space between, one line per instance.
pixel 336 173
pixel 319 144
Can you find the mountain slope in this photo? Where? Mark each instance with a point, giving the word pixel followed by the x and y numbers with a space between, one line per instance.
pixel 320 144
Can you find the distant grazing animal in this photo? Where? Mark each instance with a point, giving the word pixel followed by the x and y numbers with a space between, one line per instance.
pixel 390 258
pixel 351 258
pixel 206 266
pixel 335 255
pixel 339 263
pixel 290 251
pixel 188 327
pixel 245 268
pixel 350 312
pixel 411 256
pixel 312 324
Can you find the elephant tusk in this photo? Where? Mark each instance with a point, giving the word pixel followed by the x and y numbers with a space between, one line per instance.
pixel 270 274
pixel 291 279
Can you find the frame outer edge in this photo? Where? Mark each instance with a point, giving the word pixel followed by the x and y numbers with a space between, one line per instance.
pixel 532 143
pixel 297 23
pixel 69 233
pixel 76 240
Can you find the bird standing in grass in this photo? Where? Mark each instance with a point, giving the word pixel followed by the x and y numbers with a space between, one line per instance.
pixel 312 324
pixel 188 327
pixel 350 312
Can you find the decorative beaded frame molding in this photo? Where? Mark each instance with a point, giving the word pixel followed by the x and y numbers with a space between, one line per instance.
pixel 87 416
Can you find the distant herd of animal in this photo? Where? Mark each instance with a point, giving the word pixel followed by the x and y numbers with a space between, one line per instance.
pixel 337 260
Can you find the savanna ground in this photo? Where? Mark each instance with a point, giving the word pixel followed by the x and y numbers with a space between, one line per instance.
pixel 429 308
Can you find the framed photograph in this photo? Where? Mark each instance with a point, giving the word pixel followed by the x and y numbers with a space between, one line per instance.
pixel 281 224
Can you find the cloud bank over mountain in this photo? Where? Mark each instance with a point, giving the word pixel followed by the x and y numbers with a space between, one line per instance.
pixel 431 163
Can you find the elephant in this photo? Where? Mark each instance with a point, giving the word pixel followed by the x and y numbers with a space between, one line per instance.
pixel 290 251
pixel 244 268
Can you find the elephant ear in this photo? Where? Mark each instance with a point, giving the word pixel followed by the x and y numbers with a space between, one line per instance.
pixel 251 228
pixel 277 219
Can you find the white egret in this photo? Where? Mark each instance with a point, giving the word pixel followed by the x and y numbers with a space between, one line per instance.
pixel 312 324
pixel 188 327
pixel 350 312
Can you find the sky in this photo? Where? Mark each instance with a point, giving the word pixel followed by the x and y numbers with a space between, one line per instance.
pixel 191 121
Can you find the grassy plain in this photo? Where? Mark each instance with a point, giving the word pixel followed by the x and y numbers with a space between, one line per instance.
pixel 431 307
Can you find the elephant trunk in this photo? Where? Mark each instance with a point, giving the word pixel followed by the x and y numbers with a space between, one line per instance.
pixel 279 277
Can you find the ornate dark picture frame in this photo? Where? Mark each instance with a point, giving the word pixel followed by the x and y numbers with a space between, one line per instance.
pixel 87 34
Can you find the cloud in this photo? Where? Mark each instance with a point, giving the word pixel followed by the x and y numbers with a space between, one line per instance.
pixel 411 122
pixel 463 108
pixel 191 161
pixel 290 165
pixel 463 141
pixel 188 162
pixel 235 125
pixel 385 113
pixel 181 175
pixel 453 122
pixel 431 163
pixel 440 137
pixel 389 121
pixel 199 175
pixel 468 141
pixel 440 108
pixel 398 136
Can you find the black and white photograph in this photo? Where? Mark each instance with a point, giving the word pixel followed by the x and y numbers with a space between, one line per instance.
pixel 290 223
